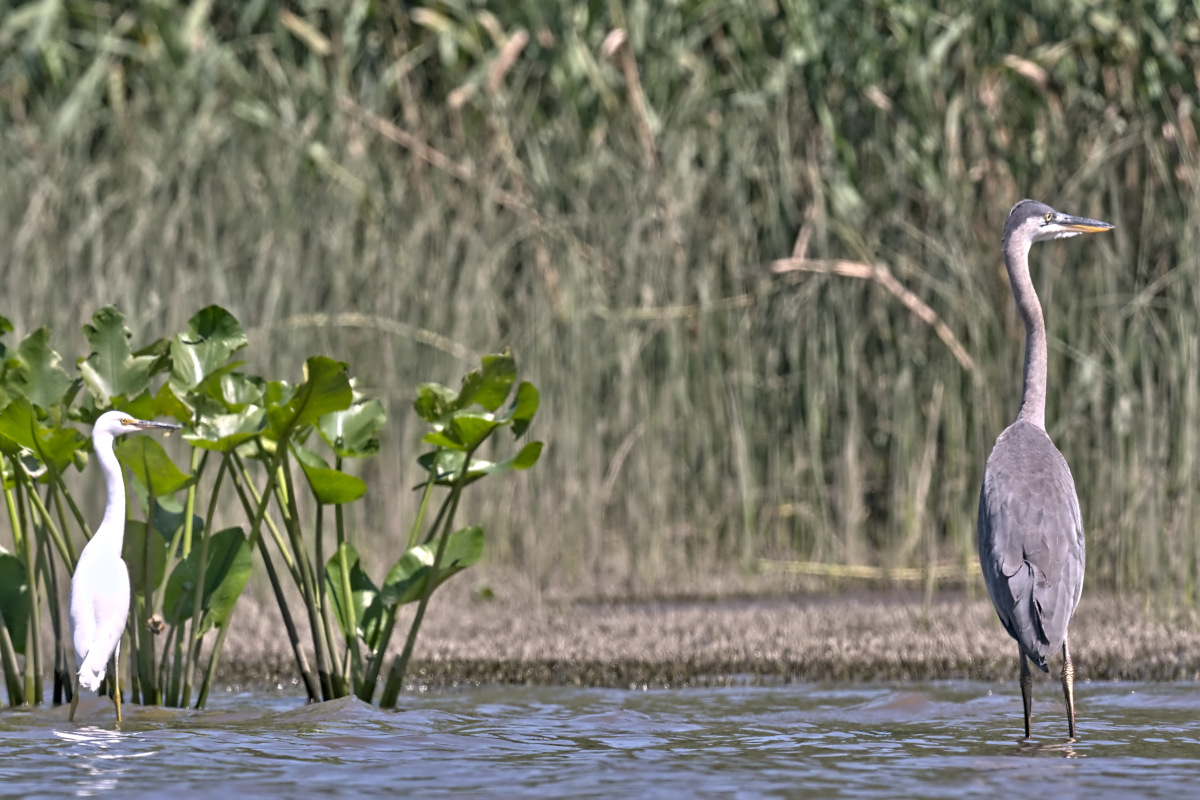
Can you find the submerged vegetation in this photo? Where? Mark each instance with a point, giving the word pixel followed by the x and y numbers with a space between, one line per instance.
pixel 604 185
pixel 262 441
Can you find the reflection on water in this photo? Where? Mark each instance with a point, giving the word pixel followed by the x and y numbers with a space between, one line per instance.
pixel 950 739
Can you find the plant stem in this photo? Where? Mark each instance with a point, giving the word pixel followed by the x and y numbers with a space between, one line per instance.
pixel 366 689
pixel 33 649
pixel 310 683
pixel 64 547
pixel 335 663
pixel 354 665
pixel 391 691
pixel 193 639
pixel 8 658
pixel 311 601
pixel 288 561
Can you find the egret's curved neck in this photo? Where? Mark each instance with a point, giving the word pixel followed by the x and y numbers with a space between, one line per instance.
pixel 111 533
pixel 1033 396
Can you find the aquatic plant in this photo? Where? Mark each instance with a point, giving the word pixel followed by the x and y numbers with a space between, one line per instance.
pixel 258 436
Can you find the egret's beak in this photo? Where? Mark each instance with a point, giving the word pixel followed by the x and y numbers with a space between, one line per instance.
pixel 1069 222
pixel 149 425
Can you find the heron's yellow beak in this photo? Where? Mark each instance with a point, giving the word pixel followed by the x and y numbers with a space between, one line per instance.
pixel 1081 224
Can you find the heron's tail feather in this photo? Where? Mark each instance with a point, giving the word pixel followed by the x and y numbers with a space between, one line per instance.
pixel 91 674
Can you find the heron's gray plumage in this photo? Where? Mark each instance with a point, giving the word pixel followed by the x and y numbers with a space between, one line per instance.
pixel 1031 543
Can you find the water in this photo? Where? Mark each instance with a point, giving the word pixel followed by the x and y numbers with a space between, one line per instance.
pixel 946 739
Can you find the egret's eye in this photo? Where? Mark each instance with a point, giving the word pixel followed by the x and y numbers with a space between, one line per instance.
pixel 1049 216
pixel 126 421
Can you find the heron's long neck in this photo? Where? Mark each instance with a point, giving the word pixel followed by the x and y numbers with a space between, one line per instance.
pixel 111 533
pixel 1033 396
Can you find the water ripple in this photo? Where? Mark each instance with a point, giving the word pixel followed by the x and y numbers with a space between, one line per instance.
pixel 951 739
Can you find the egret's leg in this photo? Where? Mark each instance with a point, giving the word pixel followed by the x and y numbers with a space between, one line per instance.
pixel 1068 682
pixel 1026 689
pixel 74 701
pixel 116 678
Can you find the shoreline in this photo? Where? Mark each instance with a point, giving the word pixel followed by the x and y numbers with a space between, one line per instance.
pixel 863 636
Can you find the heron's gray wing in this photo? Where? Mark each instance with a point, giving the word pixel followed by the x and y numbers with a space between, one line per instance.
pixel 1031 540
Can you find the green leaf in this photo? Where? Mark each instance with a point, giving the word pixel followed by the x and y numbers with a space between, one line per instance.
pixel 112 370
pixel 134 551
pixel 147 459
pixel 448 462
pixel 226 572
pixel 329 486
pixel 224 432
pixel 524 406
pixel 406 580
pixel 434 401
pixel 489 386
pixel 465 431
pixel 14 596
pixel 326 388
pixel 19 426
pixel 169 515
pixel 213 336
pixel 353 433
pixel 36 374
pixel 362 590
pixel 167 404
pixel 236 391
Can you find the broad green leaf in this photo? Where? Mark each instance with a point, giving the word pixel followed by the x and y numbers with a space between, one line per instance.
pixel 112 370
pixel 465 431
pixel 14 597
pixel 434 401
pixel 406 580
pixel 167 404
pixel 160 355
pixel 524 406
pixel 147 459
pixel 55 446
pixel 490 384
pixel 329 486
pixel 447 466
pixel 140 406
pixel 213 336
pixel 362 590
pixel 487 386
pixel 169 516
pixel 226 572
pixel 36 374
pixel 5 327
pixel 236 391
pixel 354 432
pixel 326 388
pixel 136 548
pixel 224 432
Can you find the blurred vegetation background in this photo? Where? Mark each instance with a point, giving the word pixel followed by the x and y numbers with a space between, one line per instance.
pixel 604 185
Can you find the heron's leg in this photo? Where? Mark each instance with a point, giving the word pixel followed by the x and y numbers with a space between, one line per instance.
pixel 116 678
pixel 74 701
pixel 1026 688
pixel 1068 682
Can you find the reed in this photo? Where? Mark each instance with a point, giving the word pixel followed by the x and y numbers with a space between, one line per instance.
pixel 353 179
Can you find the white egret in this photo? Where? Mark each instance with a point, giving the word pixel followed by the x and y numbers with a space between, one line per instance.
pixel 100 586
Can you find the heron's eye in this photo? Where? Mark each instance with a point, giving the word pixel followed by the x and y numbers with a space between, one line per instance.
pixel 126 421
pixel 1049 216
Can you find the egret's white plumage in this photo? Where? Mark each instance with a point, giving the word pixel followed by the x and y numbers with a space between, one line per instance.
pixel 100 585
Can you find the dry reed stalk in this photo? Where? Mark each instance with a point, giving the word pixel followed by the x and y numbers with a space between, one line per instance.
pixel 883 276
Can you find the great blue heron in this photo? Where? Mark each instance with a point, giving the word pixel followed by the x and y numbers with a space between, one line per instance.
pixel 100 585
pixel 1031 545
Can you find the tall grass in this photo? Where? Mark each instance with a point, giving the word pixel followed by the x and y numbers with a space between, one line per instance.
pixel 348 178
